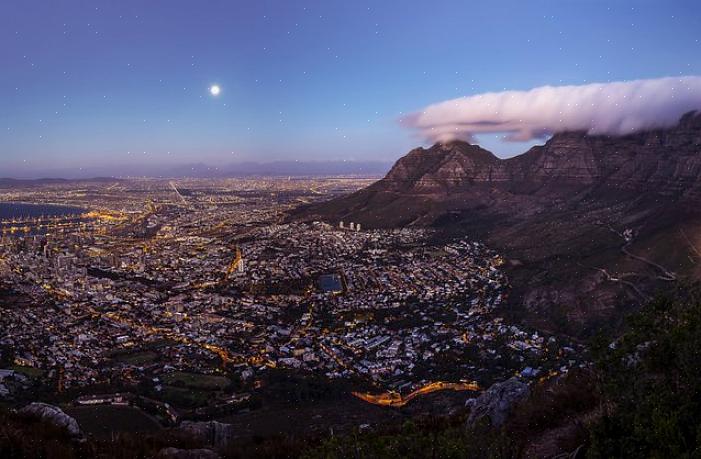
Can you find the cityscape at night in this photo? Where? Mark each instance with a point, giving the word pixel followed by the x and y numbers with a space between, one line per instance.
pixel 324 229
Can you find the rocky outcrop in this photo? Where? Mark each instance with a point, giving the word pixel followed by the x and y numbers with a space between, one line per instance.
pixel 662 161
pixel 497 402
pixel 442 169
pixel 211 433
pixel 665 162
pixel 53 415
pixel 175 453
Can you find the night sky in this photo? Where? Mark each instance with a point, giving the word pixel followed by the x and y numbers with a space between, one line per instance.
pixel 89 86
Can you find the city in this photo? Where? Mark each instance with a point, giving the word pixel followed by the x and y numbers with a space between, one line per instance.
pixel 191 293
pixel 327 230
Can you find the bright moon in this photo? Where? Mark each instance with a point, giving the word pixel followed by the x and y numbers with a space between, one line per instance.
pixel 214 90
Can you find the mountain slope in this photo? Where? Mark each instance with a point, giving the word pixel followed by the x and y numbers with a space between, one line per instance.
pixel 591 224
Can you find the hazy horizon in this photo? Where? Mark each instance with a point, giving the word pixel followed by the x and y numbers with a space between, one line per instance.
pixel 204 170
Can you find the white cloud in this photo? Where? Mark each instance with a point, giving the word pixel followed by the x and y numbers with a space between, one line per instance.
pixel 617 108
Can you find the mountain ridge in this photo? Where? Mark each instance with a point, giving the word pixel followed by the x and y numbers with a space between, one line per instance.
pixel 583 219
pixel 576 149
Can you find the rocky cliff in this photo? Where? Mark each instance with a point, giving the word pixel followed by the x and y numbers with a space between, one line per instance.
pixel 663 161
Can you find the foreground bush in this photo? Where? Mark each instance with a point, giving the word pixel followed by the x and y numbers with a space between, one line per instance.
pixel 651 378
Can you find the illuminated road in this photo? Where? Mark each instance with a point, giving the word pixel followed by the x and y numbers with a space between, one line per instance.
pixel 395 399
pixel 182 198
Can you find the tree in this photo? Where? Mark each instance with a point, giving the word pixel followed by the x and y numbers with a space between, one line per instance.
pixel 651 378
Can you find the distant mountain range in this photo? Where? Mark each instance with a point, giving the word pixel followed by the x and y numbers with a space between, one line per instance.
pixel 591 224
pixel 283 168
pixel 13 182
pixel 243 169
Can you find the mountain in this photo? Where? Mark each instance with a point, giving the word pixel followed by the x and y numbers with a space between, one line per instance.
pixel 590 225
pixel 280 168
pixel 24 183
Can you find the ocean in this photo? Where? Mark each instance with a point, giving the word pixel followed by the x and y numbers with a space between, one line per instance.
pixel 10 210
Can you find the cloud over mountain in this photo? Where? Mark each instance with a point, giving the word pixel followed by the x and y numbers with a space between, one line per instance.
pixel 616 108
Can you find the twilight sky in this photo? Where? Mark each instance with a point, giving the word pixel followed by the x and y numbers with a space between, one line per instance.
pixel 109 85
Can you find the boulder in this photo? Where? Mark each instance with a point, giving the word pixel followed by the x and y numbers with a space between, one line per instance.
pixel 211 433
pixel 54 416
pixel 497 401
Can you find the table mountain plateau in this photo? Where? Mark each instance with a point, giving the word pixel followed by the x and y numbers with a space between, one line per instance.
pixel 590 225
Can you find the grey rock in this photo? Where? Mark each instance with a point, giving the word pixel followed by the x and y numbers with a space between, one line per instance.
pixel 53 415
pixel 175 453
pixel 212 433
pixel 497 401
